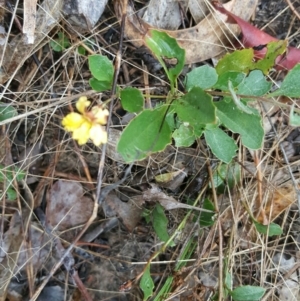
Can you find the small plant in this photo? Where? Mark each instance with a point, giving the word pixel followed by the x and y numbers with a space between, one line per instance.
pixel 7 176
pixel 237 81
pixel 60 43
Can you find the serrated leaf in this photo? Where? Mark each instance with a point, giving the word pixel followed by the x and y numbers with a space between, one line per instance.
pixel 221 145
pixel 206 218
pixel 99 86
pixel 146 133
pixel 247 293
pixel 132 100
pixel 249 126
pixel 271 230
pixel 7 111
pixel 147 284
pixel 290 86
pixel 196 108
pixel 184 136
pixel 255 84
pixel 235 77
pixel 203 77
pixel 160 224
pixel 166 48
pixel 101 68
pixel 239 61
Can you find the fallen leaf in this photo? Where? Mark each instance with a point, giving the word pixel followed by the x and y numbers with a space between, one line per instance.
pixel 254 37
pixel 205 40
pixel 67 206
pixel 169 203
pixel 129 212
pixel 279 201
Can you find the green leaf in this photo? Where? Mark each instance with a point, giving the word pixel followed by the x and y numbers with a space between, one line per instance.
pixel 146 133
pixel 203 77
pixel 166 288
pixel 99 85
pixel 132 100
pixel 196 108
pixel 247 293
pixel 81 50
pixel 101 68
pixel 239 61
pixel 160 224
pixel 274 49
pixel 11 194
pixel 7 111
pixel 255 84
pixel 243 107
pixel 61 43
pixel 271 230
pixel 290 86
pixel 222 146
pixel 294 118
pixel 206 218
pixel 184 136
pixel 166 48
pixel 249 126
pixel 147 284
pixel 235 77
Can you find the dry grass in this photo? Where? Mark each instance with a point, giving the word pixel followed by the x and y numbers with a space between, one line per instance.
pixel 42 96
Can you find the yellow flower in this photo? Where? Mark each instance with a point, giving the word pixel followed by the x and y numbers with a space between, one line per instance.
pixel 88 124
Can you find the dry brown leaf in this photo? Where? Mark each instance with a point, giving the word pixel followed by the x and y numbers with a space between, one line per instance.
pixel 67 206
pixel 279 201
pixel 18 51
pixel 206 40
pixel 169 203
pixel 129 212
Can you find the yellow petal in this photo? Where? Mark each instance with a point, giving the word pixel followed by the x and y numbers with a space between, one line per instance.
pixel 98 134
pixel 82 104
pixel 72 121
pixel 100 115
pixel 82 133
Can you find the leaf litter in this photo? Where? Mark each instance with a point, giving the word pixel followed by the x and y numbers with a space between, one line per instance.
pixel 124 242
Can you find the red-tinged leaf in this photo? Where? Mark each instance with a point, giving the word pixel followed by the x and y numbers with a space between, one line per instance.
pixel 254 37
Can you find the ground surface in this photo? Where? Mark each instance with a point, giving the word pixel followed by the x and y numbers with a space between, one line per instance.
pixel 57 194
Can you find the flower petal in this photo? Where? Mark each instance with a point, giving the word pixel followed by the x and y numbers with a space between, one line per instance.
pixel 72 121
pixel 82 104
pixel 98 135
pixel 100 115
pixel 82 133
